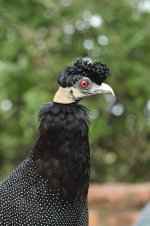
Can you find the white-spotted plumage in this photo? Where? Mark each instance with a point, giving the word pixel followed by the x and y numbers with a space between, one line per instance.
pixel 25 199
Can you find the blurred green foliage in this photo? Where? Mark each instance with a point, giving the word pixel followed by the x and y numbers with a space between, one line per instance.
pixel 38 38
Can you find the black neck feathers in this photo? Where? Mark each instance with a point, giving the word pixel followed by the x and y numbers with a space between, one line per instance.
pixel 61 153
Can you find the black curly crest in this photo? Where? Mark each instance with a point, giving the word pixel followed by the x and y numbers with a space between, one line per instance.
pixel 96 71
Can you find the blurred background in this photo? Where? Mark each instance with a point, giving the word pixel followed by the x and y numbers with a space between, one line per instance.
pixel 38 38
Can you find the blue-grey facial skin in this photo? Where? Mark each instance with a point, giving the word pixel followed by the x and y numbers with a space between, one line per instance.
pixel 89 90
pixel 93 88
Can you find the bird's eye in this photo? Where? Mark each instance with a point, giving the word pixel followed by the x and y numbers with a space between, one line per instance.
pixel 84 84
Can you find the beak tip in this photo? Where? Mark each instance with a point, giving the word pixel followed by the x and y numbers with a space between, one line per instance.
pixel 112 93
pixel 105 89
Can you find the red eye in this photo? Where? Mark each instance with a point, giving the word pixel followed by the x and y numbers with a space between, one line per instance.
pixel 84 84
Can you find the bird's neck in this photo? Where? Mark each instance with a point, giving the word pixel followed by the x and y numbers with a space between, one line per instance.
pixel 61 154
pixel 67 95
pixel 64 96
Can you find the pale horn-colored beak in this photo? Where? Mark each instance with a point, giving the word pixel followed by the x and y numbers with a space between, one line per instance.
pixel 104 88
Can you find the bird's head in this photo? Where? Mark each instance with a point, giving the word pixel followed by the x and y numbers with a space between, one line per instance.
pixel 81 80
